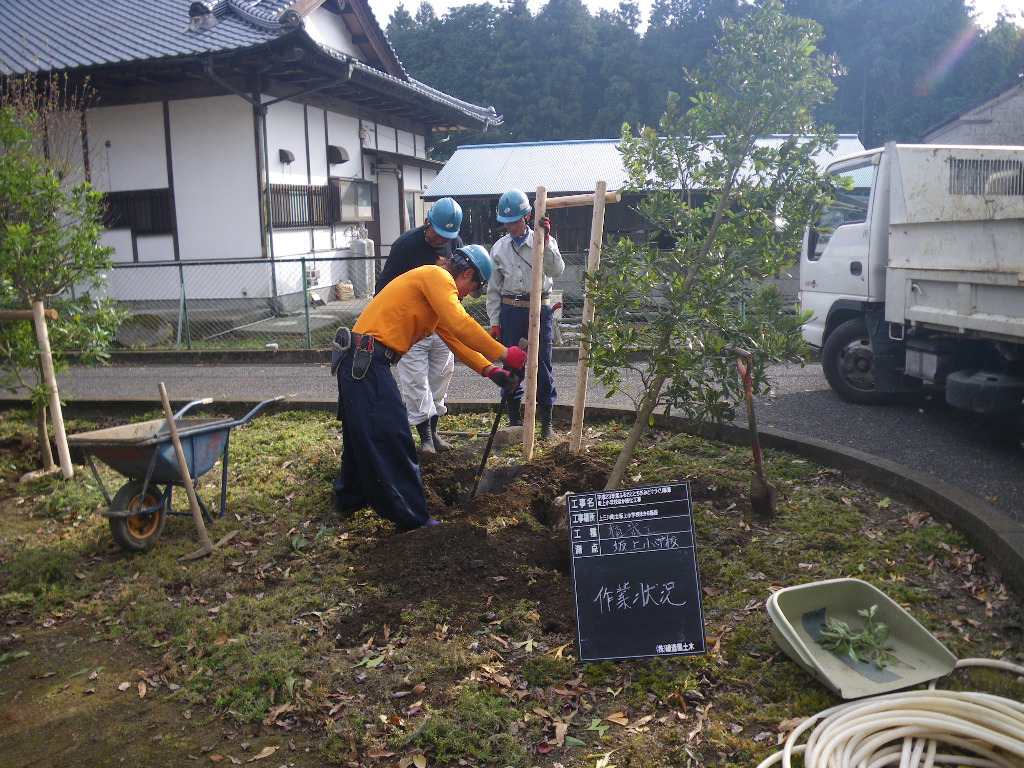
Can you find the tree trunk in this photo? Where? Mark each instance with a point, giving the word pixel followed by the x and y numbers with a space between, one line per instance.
pixel 643 417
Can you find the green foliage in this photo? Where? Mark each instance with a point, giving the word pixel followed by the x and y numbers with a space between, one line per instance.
pixel 865 645
pixel 674 310
pixel 50 249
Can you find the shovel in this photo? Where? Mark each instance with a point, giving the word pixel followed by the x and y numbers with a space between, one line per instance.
pixel 490 442
pixel 763 494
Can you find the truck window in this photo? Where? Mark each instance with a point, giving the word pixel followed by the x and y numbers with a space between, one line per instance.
pixel 849 205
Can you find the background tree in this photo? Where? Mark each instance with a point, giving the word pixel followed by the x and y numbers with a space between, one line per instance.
pixel 49 236
pixel 734 210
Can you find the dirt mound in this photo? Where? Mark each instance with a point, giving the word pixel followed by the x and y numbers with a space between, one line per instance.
pixel 494 549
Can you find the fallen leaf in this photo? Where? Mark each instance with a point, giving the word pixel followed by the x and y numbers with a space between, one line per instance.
pixel 619 718
pixel 377 753
pixel 124 686
pixel 266 752
pixel 420 761
pixel 142 690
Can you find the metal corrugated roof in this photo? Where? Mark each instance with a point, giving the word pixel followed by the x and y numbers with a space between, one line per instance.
pixel 561 167
pixel 57 34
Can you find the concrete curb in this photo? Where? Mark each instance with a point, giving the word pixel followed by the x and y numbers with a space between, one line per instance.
pixel 253 356
pixel 995 534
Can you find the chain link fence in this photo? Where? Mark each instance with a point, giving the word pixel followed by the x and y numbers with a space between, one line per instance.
pixel 246 304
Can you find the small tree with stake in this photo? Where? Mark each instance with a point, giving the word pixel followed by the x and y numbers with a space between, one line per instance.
pixel 49 237
pixel 730 212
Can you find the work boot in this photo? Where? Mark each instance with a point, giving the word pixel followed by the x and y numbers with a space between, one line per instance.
pixel 546 430
pixel 515 414
pixel 426 439
pixel 439 444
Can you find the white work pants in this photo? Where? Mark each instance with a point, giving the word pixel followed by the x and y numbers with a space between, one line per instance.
pixel 424 373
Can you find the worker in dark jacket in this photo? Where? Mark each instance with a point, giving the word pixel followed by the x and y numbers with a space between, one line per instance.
pixel 379 467
pixel 426 370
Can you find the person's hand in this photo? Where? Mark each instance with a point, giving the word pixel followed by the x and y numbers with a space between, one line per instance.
pixel 503 379
pixel 515 358
pixel 545 224
pixel 496 332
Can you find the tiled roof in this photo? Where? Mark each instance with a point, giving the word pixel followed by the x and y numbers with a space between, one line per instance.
pixel 95 35
pixel 561 167
pixel 58 34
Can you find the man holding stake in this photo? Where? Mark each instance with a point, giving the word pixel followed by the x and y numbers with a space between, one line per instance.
pixel 508 299
pixel 427 368
pixel 379 467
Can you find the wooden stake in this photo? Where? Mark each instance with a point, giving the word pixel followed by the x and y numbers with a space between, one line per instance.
pixel 593 262
pixel 574 201
pixel 50 377
pixel 533 348
pixel 205 545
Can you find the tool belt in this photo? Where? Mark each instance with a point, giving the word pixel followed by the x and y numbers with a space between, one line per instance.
pixel 363 348
pixel 523 299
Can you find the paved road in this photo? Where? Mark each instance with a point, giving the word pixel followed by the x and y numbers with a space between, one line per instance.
pixel 980 455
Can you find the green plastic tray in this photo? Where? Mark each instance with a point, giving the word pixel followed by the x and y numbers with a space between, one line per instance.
pixel 798 613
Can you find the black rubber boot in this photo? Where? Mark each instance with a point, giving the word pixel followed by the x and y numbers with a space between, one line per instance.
pixel 515 414
pixel 426 439
pixel 439 444
pixel 546 430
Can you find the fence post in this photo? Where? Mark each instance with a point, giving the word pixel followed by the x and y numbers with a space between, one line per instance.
pixel 182 311
pixel 305 304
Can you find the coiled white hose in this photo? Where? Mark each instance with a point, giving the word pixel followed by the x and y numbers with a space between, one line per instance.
pixel 914 729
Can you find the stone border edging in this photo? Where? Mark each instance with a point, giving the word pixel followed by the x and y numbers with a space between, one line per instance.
pixel 997 535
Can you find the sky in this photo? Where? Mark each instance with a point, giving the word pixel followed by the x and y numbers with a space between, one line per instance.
pixel 987 9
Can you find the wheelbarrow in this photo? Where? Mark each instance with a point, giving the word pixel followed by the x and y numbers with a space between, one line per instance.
pixel 144 454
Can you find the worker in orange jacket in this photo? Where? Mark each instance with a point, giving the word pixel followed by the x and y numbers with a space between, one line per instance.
pixel 379 466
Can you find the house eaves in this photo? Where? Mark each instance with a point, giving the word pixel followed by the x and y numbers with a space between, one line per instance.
pixel 128 48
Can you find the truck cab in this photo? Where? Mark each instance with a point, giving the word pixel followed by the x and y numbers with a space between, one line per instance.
pixel 914 273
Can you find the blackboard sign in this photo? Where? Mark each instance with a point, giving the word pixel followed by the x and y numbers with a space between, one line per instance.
pixel 634 570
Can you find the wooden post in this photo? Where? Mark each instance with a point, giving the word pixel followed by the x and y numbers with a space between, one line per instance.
pixel 574 201
pixel 533 348
pixel 593 262
pixel 205 545
pixel 50 377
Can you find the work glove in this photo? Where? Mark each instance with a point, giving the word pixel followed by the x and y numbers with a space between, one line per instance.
pixel 503 379
pixel 515 358
pixel 545 224
pixel 496 332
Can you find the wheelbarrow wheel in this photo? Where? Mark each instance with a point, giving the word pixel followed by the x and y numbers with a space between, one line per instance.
pixel 136 532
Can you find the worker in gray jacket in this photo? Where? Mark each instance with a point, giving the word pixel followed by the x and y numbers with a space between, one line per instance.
pixel 508 298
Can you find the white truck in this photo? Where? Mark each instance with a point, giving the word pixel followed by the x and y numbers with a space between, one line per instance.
pixel 915 275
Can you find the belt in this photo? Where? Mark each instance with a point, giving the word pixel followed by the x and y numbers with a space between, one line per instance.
pixel 380 349
pixel 523 299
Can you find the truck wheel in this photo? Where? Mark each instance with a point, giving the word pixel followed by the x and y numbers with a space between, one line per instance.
pixel 985 392
pixel 136 532
pixel 849 365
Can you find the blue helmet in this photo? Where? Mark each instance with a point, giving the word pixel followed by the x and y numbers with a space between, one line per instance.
pixel 477 257
pixel 446 217
pixel 512 206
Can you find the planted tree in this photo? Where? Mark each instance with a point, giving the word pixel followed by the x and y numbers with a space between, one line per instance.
pixel 50 227
pixel 729 185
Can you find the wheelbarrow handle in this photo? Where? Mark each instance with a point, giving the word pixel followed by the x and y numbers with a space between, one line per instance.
pixel 245 419
pixel 189 406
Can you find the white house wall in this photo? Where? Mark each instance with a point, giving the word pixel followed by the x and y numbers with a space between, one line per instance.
pixel 325 27
pixel 127 147
pixel 999 121
pixel 216 188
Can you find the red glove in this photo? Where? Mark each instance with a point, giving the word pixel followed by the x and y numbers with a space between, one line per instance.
pixel 545 224
pixel 556 307
pixel 503 379
pixel 515 358
pixel 496 332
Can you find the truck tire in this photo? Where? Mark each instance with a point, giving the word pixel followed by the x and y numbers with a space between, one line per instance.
pixel 985 392
pixel 848 364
